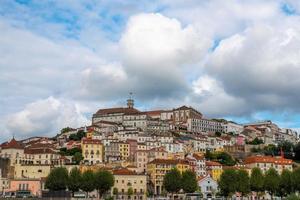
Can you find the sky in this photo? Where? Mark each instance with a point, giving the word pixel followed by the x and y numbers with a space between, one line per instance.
pixel 60 61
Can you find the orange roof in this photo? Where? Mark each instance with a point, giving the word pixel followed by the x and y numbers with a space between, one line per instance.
pixel 268 159
pixel 117 110
pixel 212 163
pixel 90 141
pixel 154 112
pixel 107 122
pixel 169 161
pixel 39 151
pixel 198 157
pixel 159 149
pixel 12 144
pixel 123 171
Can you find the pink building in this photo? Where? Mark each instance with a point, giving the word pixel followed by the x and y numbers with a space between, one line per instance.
pixel 132 148
pixel 32 185
pixel 240 139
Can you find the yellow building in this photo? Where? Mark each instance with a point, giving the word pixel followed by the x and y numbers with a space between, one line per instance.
pixel 31 171
pixel 92 151
pixel 159 167
pixel 124 150
pixel 90 134
pixel 126 180
pixel 215 169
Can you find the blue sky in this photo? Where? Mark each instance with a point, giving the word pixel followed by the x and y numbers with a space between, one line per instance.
pixel 62 60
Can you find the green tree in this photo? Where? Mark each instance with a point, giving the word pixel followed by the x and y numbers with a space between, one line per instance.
pixel 297 151
pixel 115 192
pixel 271 149
pixel 78 157
pixel 74 181
pixel 243 182
pixel 227 182
pixel 130 191
pixel 57 179
pixel 66 129
pixel 80 134
pixel 88 181
pixel 271 183
pixel 172 181
pixel 286 183
pixel 189 181
pixel 73 137
pixel 296 179
pixel 225 159
pixel 218 134
pixel 104 180
pixel 257 181
pixel 293 197
pixel 256 141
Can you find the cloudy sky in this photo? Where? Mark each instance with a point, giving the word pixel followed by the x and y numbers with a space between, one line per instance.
pixel 62 60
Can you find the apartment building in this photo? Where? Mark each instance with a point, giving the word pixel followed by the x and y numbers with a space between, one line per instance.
pixel 267 162
pixel 92 151
pixel 126 180
pixel 159 167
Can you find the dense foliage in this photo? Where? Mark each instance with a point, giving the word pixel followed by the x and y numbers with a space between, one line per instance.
pixel 189 181
pixel 78 136
pixel 172 181
pixel 221 157
pixel 290 150
pixel 256 141
pixel 104 180
pixel 286 183
pixel 74 181
pixel 57 179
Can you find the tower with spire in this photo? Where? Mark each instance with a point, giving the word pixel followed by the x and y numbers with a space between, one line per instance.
pixel 130 101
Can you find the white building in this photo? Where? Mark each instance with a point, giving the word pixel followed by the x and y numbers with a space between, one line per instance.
pixel 209 187
pixel 231 127
pixel 204 125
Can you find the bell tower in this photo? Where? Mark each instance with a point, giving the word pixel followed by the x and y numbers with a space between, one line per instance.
pixel 130 101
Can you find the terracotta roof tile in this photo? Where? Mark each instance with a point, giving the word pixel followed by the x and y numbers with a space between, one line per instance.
pixel 268 159
pixel 212 163
pixel 169 161
pixel 123 171
pixel 12 144
pixel 117 110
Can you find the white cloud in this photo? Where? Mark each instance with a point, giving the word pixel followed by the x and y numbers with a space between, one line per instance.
pixel 261 65
pixel 155 41
pixel 45 117
pixel 210 97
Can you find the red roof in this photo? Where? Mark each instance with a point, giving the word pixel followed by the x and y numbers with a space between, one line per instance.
pixel 169 161
pixel 13 144
pixel 198 157
pixel 123 171
pixel 212 163
pixel 39 151
pixel 154 112
pixel 117 110
pixel 268 159
pixel 90 141
pixel 107 122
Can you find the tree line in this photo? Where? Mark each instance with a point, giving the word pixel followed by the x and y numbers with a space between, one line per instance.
pixel 174 181
pixel 290 150
pixel 232 181
pixel 59 179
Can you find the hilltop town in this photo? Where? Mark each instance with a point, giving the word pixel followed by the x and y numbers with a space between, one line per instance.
pixel 140 147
